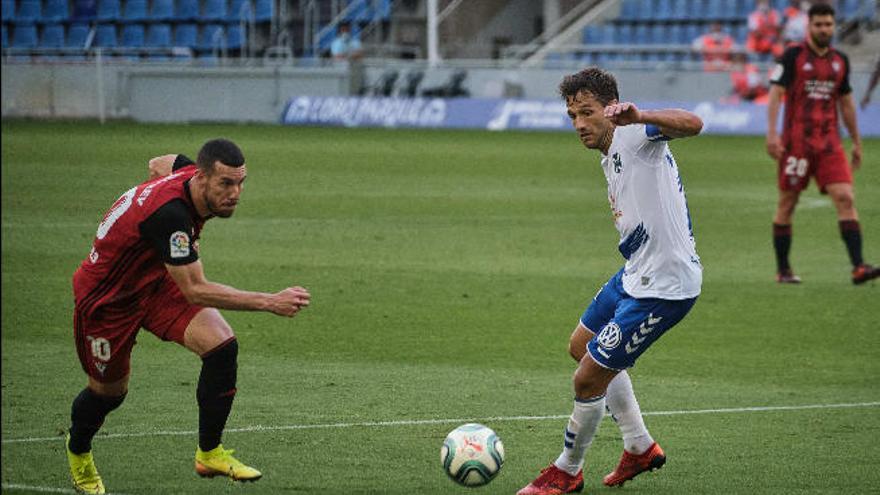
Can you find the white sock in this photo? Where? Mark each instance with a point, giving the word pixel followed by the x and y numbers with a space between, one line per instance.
pixel 579 433
pixel 624 409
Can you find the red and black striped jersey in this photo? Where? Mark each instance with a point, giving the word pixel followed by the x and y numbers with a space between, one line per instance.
pixel 813 87
pixel 149 225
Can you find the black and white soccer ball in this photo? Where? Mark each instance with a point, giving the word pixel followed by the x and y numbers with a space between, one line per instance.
pixel 472 455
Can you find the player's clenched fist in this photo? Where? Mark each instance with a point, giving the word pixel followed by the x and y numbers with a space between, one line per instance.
pixel 624 113
pixel 289 301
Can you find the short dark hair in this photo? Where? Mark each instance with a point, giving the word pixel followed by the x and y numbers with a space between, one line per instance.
pixel 601 84
pixel 820 9
pixel 219 150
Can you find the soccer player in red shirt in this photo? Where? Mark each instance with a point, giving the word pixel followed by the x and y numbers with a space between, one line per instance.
pixel 144 271
pixel 814 77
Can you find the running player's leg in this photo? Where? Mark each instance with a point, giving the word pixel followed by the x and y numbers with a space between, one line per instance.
pixel 206 333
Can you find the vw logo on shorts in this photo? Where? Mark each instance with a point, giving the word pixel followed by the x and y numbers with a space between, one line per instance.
pixel 609 337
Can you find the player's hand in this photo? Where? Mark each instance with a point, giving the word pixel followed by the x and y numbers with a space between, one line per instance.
pixel 856 161
pixel 624 113
pixel 290 301
pixel 774 147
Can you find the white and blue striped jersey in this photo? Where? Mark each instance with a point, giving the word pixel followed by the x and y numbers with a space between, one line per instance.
pixel 650 212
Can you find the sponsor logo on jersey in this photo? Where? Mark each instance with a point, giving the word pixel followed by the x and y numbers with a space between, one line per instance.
pixel 93 255
pixel 609 337
pixel 179 244
pixel 807 66
pixel 618 163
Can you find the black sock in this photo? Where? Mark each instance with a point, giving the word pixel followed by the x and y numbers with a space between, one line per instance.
pixel 782 244
pixel 87 415
pixel 216 391
pixel 852 237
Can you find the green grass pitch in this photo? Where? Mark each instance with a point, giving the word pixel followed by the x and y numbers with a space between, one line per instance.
pixel 447 271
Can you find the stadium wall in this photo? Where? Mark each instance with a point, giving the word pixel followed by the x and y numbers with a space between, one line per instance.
pixel 262 94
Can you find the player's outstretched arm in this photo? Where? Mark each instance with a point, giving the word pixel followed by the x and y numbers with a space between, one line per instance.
pixel 674 123
pixel 190 278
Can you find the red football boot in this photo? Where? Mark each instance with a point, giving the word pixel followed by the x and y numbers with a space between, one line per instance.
pixel 554 481
pixel 863 273
pixel 632 465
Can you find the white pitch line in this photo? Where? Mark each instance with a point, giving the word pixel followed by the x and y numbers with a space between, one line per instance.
pixel 42 489
pixel 421 422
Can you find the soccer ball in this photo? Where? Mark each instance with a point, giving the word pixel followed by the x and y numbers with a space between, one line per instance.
pixel 472 455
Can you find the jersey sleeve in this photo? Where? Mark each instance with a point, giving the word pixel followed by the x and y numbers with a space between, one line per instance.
pixel 845 87
pixel 649 142
pixel 169 230
pixel 783 73
pixel 180 162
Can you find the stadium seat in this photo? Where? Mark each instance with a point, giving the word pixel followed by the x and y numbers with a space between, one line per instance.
pixel 215 10
pixel 29 12
pixel 264 10
pixel 240 10
pixel 52 36
pixel 105 36
pixel 681 10
pixel 591 35
pixel 77 35
pixel 675 35
pixel 135 11
pixel 8 11
pixel 185 35
pixel 84 10
pixel 212 36
pixel 641 34
pixel 692 31
pixel 629 11
pixel 133 36
pixel 235 37
pixel 624 34
pixel 186 10
pixel 158 36
pixel 25 36
pixel 108 10
pixel 663 10
pixel 714 10
pixel 56 10
pixel 659 34
pixel 5 37
pixel 162 10
pixel 740 32
pixel 698 9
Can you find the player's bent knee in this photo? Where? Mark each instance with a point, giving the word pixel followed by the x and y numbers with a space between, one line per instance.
pixel 219 372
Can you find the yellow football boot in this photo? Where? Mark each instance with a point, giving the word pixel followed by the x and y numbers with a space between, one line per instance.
pixel 85 475
pixel 219 462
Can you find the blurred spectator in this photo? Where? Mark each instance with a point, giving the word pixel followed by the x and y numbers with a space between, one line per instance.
pixel 764 24
pixel 716 47
pixel 346 46
pixel 875 76
pixel 795 19
pixel 748 84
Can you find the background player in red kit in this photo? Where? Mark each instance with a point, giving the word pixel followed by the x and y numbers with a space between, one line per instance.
pixel 144 271
pixel 814 77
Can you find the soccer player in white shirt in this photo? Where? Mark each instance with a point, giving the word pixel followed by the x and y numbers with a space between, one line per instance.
pixel 654 290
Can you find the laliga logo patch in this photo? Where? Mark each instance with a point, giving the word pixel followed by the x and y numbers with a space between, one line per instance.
pixel 179 244
pixel 609 337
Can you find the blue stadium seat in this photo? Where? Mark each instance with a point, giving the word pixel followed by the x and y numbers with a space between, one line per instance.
pixel 641 34
pixel 133 36
pixel 681 10
pixel 158 36
pixel 25 36
pixel 8 11
pixel 740 33
pixel 848 8
pixel 663 10
pixel 692 32
pixel 52 36
pixel 624 34
pixel 186 10
pixel 77 35
pixel 235 37
pixel 185 35
pixel 5 39
pixel 215 10
pixel 135 11
pixel 212 35
pixel 675 34
pixel 592 35
pixel 264 10
pixel 240 9
pixel 105 36
pixel 606 34
pixel 658 34
pixel 84 10
pixel 56 10
pixel 109 10
pixel 29 12
pixel 629 11
pixel 162 10
pixel 698 9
